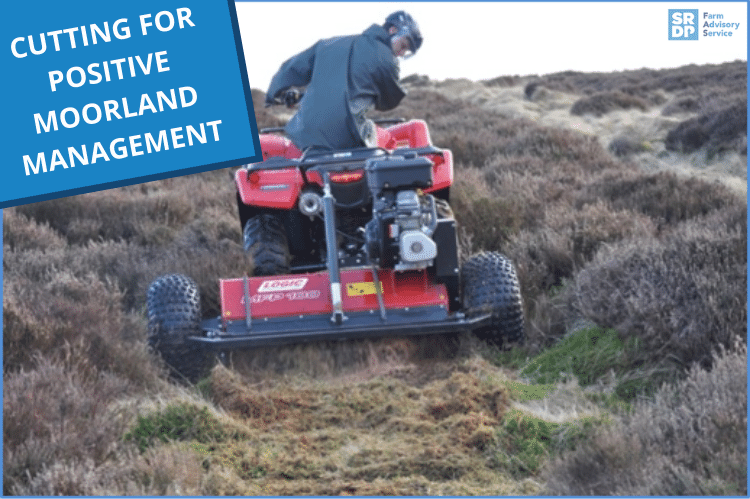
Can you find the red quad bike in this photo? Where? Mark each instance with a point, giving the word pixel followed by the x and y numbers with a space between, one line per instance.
pixel 348 244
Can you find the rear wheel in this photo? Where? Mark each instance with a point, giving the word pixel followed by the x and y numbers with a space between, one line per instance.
pixel 265 242
pixel 173 315
pixel 490 284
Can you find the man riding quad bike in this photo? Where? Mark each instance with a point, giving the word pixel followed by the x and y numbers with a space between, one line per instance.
pixel 344 78
pixel 350 242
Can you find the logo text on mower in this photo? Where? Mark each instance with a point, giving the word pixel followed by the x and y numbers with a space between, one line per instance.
pixel 282 285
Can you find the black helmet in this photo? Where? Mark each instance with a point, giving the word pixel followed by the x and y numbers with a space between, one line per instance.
pixel 407 27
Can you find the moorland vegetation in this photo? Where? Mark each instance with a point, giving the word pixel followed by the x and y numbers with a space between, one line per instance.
pixel 633 378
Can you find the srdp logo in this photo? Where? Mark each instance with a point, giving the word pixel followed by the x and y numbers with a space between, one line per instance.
pixel 683 24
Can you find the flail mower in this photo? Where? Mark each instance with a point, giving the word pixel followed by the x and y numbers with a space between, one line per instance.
pixel 349 244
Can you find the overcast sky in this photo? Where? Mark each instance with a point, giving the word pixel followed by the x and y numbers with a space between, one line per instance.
pixel 482 40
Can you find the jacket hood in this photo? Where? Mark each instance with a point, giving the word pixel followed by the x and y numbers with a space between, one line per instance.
pixel 379 33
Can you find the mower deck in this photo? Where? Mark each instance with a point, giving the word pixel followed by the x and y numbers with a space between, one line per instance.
pixel 262 311
pixel 283 330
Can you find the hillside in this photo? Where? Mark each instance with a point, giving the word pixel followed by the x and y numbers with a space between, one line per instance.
pixel 621 199
pixel 637 133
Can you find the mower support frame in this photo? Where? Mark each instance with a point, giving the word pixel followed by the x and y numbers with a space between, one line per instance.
pixel 316 327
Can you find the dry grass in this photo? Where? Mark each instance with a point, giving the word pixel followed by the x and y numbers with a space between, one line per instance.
pixel 661 258
pixel 604 102
pixel 397 434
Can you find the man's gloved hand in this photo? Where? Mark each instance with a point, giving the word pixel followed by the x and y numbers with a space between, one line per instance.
pixel 292 97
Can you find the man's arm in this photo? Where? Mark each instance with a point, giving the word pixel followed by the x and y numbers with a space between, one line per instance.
pixel 295 72
pixel 387 78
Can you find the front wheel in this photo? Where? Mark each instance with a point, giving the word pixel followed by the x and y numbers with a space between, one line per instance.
pixel 489 284
pixel 174 314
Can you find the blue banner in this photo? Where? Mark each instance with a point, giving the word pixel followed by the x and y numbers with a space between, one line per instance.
pixel 108 94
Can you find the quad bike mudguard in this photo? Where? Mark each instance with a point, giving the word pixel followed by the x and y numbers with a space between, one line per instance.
pixel 276 182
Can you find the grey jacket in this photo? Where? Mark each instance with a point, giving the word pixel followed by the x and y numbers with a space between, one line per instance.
pixel 344 77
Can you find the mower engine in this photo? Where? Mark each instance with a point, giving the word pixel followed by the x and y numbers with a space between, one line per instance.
pixel 400 234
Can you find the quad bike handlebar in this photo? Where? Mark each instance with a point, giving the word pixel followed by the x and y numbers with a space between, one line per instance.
pixel 325 159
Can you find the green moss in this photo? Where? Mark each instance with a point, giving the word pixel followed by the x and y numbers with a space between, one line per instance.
pixel 180 422
pixel 590 354
pixel 587 354
pixel 629 389
pixel 514 359
pixel 610 401
pixel 526 442
pixel 523 392
pixel 203 387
